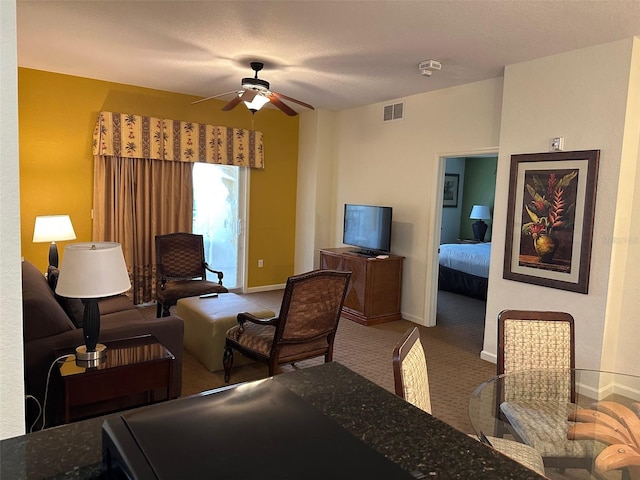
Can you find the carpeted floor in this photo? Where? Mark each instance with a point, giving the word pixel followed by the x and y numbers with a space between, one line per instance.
pixel 452 349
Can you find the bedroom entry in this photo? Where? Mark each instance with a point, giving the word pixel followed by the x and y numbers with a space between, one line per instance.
pixel 464 253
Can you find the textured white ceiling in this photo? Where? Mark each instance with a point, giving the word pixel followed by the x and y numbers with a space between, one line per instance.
pixel 331 54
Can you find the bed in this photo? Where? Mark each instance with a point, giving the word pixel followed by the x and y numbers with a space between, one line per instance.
pixel 464 268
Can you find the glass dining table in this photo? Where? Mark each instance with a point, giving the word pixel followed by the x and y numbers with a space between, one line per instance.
pixel 584 423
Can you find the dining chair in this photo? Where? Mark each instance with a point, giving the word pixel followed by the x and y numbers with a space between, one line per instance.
pixel 181 270
pixel 536 410
pixel 305 328
pixel 411 383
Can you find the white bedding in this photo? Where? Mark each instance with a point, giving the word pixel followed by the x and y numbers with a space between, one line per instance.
pixel 470 258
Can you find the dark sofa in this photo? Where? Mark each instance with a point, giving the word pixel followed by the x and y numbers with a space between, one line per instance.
pixel 48 324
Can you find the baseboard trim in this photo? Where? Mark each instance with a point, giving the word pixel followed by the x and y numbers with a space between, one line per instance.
pixel 489 357
pixel 265 288
pixel 414 319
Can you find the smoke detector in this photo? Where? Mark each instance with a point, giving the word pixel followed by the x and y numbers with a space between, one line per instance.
pixel 427 67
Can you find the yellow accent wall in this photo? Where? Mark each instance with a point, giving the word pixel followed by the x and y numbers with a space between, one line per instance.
pixel 57 114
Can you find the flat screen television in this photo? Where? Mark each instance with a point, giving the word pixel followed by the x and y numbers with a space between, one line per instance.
pixel 367 227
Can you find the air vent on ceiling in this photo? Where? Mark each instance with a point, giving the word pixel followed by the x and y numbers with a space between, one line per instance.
pixel 394 112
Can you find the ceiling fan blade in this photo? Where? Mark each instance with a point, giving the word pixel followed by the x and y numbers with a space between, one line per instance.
pixel 248 95
pixel 280 95
pixel 232 104
pixel 281 105
pixel 214 96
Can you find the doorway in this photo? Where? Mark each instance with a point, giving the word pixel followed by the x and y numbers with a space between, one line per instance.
pixel 219 211
pixel 476 176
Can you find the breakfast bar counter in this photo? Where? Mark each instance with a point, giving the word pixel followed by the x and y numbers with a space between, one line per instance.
pixel 416 441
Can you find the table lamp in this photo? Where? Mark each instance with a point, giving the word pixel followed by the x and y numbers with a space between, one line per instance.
pixel 479 213
pixel 91 271
pixel 53 228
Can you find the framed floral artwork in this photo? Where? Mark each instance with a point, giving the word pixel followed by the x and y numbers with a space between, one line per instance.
pixel 550 212
pixel 450 196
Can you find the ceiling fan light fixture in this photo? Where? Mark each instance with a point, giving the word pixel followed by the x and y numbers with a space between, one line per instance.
pixel 257 103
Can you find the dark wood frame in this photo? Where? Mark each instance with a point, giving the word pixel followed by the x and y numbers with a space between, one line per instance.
pixel 574 274
pixel 451 177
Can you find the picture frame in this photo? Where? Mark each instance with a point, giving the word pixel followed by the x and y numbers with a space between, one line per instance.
pixel 450 194
pixel 550 219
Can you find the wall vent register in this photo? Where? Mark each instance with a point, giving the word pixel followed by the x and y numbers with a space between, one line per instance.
pixel 394 112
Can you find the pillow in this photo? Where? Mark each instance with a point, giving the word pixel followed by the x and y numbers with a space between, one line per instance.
pixel 73 307
pixel 42 316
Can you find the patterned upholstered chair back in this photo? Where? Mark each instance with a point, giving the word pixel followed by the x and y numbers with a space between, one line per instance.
pixel 181 256
pixel 410 370
pixel 536 340
pixel 311 306
pixel 181 270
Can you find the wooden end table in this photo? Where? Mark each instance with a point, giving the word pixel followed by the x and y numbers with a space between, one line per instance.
pixel 135 370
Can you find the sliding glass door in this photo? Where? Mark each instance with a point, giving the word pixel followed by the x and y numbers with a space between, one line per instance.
pixel 219 200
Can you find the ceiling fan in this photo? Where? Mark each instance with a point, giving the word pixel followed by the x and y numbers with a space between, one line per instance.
pixel 255 94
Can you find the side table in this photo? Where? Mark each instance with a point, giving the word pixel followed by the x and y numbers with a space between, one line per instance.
pixel 137 371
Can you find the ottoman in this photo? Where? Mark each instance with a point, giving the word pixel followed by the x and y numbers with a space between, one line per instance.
pixel 206 321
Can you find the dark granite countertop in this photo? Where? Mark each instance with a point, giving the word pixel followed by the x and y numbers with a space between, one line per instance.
pixel 418 442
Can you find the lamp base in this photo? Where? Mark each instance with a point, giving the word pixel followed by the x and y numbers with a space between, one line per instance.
pixel 53 254
pixel 93 358
pixel 479 229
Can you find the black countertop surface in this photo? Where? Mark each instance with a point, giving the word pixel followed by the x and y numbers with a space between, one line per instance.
pixel 418 442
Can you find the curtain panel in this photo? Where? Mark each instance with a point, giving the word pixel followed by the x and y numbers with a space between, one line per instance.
pixel 134 200
pixel 138 136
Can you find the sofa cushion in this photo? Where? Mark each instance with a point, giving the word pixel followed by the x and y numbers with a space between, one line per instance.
pixel 116 303
pixel 73 307
pixel 42 314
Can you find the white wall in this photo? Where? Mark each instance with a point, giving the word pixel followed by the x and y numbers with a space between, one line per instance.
pixel 11 376
pixel 624 305
pixel 316 172
pixel 398 164
pixel 564 95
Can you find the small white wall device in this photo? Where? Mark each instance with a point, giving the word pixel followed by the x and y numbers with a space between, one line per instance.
pixel 427 67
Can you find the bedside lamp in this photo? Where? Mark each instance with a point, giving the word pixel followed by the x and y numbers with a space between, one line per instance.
pixel 91 271
pixel 53 228
pixel 479 213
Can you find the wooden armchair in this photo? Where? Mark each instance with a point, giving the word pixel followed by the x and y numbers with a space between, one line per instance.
pixel 182 270
pixel 306 327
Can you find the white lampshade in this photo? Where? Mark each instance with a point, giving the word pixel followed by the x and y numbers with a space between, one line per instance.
pixel 92 270
pixel 480 212
pixel 53 228
pixel 257 103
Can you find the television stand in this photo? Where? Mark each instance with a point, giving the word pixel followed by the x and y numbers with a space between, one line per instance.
pixel 365 253
pixel 375 289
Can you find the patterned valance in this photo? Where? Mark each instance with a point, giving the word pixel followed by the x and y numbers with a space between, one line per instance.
pixel 137 136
